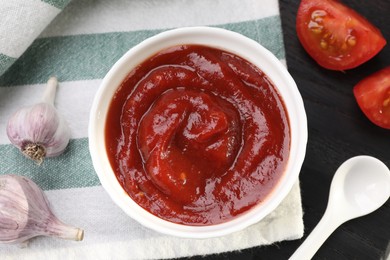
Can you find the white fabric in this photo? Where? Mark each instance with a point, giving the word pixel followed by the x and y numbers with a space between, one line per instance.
pixel 21 22
pixel 95 16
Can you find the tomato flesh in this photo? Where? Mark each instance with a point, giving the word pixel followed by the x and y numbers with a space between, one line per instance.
pixel 373 96
pixel 335 36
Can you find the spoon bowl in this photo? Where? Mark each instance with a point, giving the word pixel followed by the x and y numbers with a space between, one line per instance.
pixel 360 186
pixel 366 185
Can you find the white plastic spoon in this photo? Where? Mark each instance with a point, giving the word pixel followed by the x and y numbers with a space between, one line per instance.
pixel 360 186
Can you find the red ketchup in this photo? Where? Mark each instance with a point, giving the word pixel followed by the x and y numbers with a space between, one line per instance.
pixel 197 135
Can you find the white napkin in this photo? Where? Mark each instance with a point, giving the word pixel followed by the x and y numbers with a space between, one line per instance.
pixel 79 46
pixel 21 22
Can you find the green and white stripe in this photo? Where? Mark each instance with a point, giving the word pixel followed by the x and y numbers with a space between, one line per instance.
pixel 79 47
pixel 90 56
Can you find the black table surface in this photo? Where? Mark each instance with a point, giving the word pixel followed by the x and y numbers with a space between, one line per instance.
pixel 337 130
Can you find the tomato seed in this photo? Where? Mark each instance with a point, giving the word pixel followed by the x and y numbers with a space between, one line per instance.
pixel 386 102
pixel 317 15
pixel 351 41
pixel 323 44
pixel 183 177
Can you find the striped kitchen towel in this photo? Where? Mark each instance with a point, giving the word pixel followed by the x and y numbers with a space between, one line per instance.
pixel 21 21
pixel 79 47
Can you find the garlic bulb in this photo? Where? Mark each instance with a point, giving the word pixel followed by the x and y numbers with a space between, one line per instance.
pixel 39 131
pixel 25 213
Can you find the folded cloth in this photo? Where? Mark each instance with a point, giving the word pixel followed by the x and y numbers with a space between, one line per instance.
pixel 79 46
pixel 21 22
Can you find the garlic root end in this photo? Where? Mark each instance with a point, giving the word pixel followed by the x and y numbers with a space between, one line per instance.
pixel 35 152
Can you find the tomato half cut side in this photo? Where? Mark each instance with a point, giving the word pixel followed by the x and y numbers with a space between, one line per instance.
pixel 335 36
pixel 373 97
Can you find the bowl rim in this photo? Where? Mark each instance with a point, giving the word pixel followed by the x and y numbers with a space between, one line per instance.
pixel 219 38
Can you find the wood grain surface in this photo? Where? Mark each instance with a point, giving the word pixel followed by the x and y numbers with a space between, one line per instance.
pixel 338 130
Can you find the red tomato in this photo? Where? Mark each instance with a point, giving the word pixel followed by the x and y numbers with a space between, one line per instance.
pixel 373 97
pixel 335 36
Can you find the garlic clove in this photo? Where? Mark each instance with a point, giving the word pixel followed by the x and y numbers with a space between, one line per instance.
pixel 25 213
pixel 39 131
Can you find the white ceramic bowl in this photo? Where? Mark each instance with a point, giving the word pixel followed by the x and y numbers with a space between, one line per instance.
pixel 225 40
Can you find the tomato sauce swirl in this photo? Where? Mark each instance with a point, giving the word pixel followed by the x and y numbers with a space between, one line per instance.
pixel 197 135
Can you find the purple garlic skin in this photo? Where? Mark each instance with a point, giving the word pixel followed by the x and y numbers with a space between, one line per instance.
pixel 39 131
pixel 25 213
pixel 40 125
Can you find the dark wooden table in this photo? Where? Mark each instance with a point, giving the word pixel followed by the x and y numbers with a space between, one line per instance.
pixel 338 130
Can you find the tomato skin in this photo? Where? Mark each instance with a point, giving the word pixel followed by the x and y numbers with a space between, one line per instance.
pixel 373 97
pixel 335 36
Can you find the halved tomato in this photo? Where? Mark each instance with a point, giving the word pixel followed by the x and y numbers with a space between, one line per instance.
pixel 335 36
pixel 373 97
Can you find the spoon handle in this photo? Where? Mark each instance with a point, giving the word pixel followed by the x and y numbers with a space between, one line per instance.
pixel 317 237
